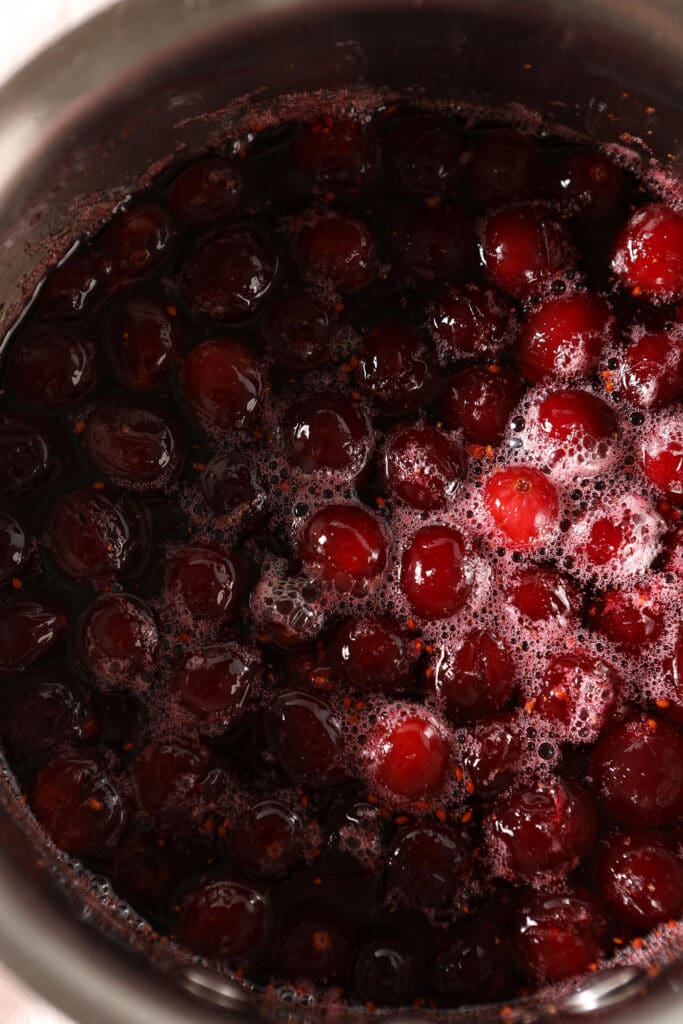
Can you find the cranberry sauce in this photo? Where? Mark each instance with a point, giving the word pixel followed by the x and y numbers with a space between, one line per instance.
pixel 341 554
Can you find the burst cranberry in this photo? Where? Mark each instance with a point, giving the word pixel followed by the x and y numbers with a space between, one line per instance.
pixel 138 240
pixel 288 609
pixel 372 654
pixel 579 430
pixel 495 753
pixel 577 693
pixel 523 505
pixel 345 541
pixel 564 337
pixel 383 973
pixel 475 678
pixel 423 152
pixel 205 583
pixel 76 286
pixel 626 539
pixel 217 684
pixel 27 458
pixel 144 341
pixel 422 466
pixel 53 368
pixel 78 806
pixel 119 638
pixel 170 780
pixel 267 840
pixel 31 629
pixel 428 866
pixel 479 400
pixel 559 935
pixel 90 536
pixel 234 490
pixel 306 738
pixel 337 250
pixel 15 547
pixel 336 155
pixel 640 878
pixel 648 252
pixel 543 595
pixel 637 770
pixel 134 446
pixel 546 826
pixel 315 945
pixel 469 320
pixel 223 383
pixel 523 248
pixel 436 572
pixel 394 367
pixel 662 455
pixel 470 964
pixel 434 242
pixel 297 328
pixel 505 167
pixel 651 370
pixel 229 276
pixel 589 183
pixel 630 618
pixel 45 713
pixel 224 918
pixel 408 758
pixel 206 192
pixel 327 431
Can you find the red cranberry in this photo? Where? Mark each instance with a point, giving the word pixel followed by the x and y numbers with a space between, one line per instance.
pixel 206 192
pixel 564 337
pixel 545 826
pixel 637 770
pixel 78 806
pixel 428 866
pixel 338 250
pixel 475 679
pixel 543 595
pixel 327 431
pixel 589 183
pixel 223 383
pixel 505 167
pixel 205 583
pixel 170 781
pixel 408 758
pixel 306 738
pixel 15 547
pixel 75 287
pixel 433 242
pixel 662 455
pixel 626 538
pixel 394 367
pixel 422 466
pixel 577 693
pixel 523 248
pixel 479 400
pixel 469 320
pixel 119 638
pixel 523 505
pixel 216 684
pixel 372 654
pixel 287 609
pixel 630 618
pixel 44 713
pixel 640 878
pixel 138 241
pixel 648 252
pixel 336 155
pixel 297 328
pixel 469 964
pixel 355 841
pixel 229 276
pixel 26 458
pixel 142 869
pixel 89 536
pixel 579 428
pixel 233 489
pixel 267 840
pixel 383 973
pixel 144 341
pixel 436 572
pixel 134 446
pixel 495 754
pixel 53 368
pixel 31 629
pixel 559 935
pixel 651 370
pixel 423 152
pixel 224 918
pixel 345 541
pixel 315 946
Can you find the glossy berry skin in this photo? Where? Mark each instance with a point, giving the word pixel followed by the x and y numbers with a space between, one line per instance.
pixel 422 466
pixel 640 878
pixel 372 654
pixel 31 629
pixel 394 367
pixel 651 370
pixel 315 945
pixel 78 806
pixel 434 242
pixel 234 491
pixel 173 785
pixel 559 935
pixel 336 155
pixel 217 685
pixel 563 338
pixel 470 964
pixel 637 771
pixel 577 694
pixel 540 594
pixel 423 154
pixel 336 250
pixel 118 639
pixel 268 839
pixel 469 320
pixel 588 183
pixel 578 430
pixel 494 756
pixel 408 757
pixel 144 341
pixel 53 368
pixel 205 583
pixel 15 548
pixel 523 248
pixel 479 401
pixel 229 276
pixel 136 447
pixel 222 381
pixel 306 738
pixel 345 542
pixel 297 330
pixel 428 866
pixel 327 432
pixel 631 618
pixel 505 168
pixel 475 679
pixel 138 241
pixel 662 457
pixel 27 457
pixel 206 192
pixel 436 572
pixel 44 713
pixel 383 973
pixel 523 505
pixel 225 919
pixel 76 287
pixel 625 538
pixel 648 252
pixel 90 536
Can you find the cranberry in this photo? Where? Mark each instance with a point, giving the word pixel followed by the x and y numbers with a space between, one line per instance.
pixel 589 183
pixel 372 654
pixel 662 455
pixel 306 737
pixel 76 287
pixel 267 840
pixel 469 320
pixel 543 595
pixel 422 466
pixel 229 276
pixel 224 918
pixel 479 400
pixel 355 841
pixel 345 541
pixel 648 252
pixel 505 166
pixel 540 827
pixel 327 431
pixel 223 382
pixel 577 693
pixel 315 945
pixel 564 337
pixel 287 609
pixel 217 684
pixel 119 638
pixel 495 753
pixel 394 367
pixel 142 869
pixel 433 242
pixel 205 583
pixel 338 250
pixel 138 240
pixel 651 369
pixel 423 153
pixel 559 935
pixel 135 446
pixel 436 572
pixel 523 505
pixel 640 878
pixel 579 429
pixel 234 490
pixel 297 329
pixel 637 770
pixel 383 973
pixel 408 757
pixel 626 538
pixel 171 783
pixel 15 547
pixel 206 192
pixel 144 340
pixel 31 629
pixel 78 805
pixel 428 866
pixel 469 964
pixel 53 368
pixel 630 618
pixel 336 155
pixel 45 713
pixel 89 536
pixel 26 457
pixel 475 678
pixel 673 675
pixel 523 248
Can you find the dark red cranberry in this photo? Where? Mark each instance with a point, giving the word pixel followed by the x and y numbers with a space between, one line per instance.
pixel 523 504
pixel 625 538
pixel 31 629
pixel 337 250
pixel 479 401
pixel 224 918
pixel 89 536
pixel 577 693
pixel 673 676
pixel 327 431
pixel 118 639
pixel 470 964
pixel 170 780
pixel 651 370
pixel 475 679
pixel 267 840
pixel 234 491
pixel 505 167
pixel 336 155
pixel 558 935
pixel 422 466
pixel 306 737
pixel 589 183
pixel 640 878
pixel 540 827
pixel 372 654
pixel 297 329
pixel 142 869
pixel 78 805
pixel 345 541
pixel 144 342
pixel 26 458
pixel 315 945
pixel 287 609
pixel 543 595
pixel 76 287
pixel 564 336
pixel 394 367
pixel 628 617
pixel 53 368
pixel 138 241
pixel 383 973
pixel 523 248
pixel 223 383
pixel 648 252
pixel 579 428
pixel 470 320
pixel 355 841
pixel 423 152
pixel 495 754
pixel 44 713
pixel 436 572
pixel 662 455
pixel 217 684
pixel 205 583
pixel 428 867
pixel 229 276
pixel 637 770
pixel 134 446
pixel 408 757
pixel 433 242
pixel 15 547
pixel 206 192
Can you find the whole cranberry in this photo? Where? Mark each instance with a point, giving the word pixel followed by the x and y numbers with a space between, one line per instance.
pixel 76 287
pixel 384 972
pixel 234 490
pixel 648 252
pixel 423 154
pixel 470 320
pixel 495 753
pixel 44 713
pixel 31 629
pixel 172 782
pixel 640 878
pixel 408 757
pixel 505 167
pixel 90 535
pixel 662 456
pixel 144 339
pixel 470 964
pixel 589 183
pixel 524 247
pixel 578 431
pixel 53 368
pixel 229 276
pixel 306 738
pixel 135 446
pixel 372 654
pixel 395 367
pixel 476 678
pixel 422 466
pixel 542 594
pixel 436 572
pixel 118 639
pixel 651 370
pixel 523 504
pixel 15 547
pixel 297 329
pixel 336 155
pixel 563 337
pixel 223 382
pixel 267 840
pixel 558 935
pixel 434 242
pixel 631 618
pixel 205 583
pixel 217 685
pixel 624 539
pixel 142 869
pixel 78 806
pixel 327 431
pixel 479 401
pixel 27 457
pixel 138 241
pixel 345 542
pixel 315 945
pixel 577 694
pixel 428 866
pixel 205 193
pixel 225 919
pixel 337 250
